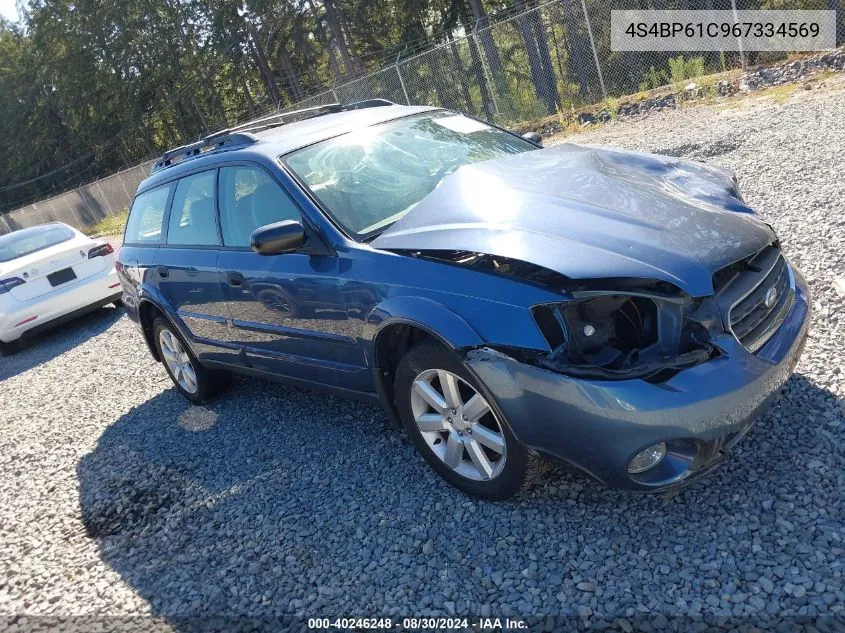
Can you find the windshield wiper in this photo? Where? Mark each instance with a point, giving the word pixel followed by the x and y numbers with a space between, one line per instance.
pixel 369 238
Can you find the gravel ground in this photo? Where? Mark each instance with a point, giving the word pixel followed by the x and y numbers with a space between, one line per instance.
pixel 118 498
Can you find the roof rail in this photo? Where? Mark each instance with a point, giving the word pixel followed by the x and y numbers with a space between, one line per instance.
pixel 209 143
pixel 243 134
pixel 368 103
pixel 275 120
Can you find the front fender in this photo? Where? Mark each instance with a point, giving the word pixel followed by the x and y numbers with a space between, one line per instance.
pixel 438 320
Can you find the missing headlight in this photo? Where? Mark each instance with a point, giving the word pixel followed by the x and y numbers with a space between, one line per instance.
pixel 609 331
pixel 618 337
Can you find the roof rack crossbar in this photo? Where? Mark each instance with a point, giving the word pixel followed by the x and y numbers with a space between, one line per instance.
pixel 243 134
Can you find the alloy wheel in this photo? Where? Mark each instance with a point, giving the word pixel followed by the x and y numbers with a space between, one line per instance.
pixel 458 424
pixel 178 361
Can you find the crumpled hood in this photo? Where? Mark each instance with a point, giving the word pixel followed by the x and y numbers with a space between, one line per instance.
pixel 589 213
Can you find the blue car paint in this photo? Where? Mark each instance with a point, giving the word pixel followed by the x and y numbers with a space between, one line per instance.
pixel 315 318
pixel 586 212
pixel 599 426
pixel 363 290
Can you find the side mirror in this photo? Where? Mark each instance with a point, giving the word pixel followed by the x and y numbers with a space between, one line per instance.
pixel 278 238
pixel 533 137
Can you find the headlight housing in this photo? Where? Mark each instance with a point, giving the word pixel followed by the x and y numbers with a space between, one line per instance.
pixel 619 336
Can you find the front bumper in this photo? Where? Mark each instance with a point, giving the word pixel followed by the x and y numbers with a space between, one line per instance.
pixel 598 426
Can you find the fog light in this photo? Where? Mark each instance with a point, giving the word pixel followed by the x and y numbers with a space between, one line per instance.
pixel 649 458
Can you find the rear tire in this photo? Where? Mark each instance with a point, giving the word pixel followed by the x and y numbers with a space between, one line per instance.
pixel 7 349
pixel 193 381
pixel 457 429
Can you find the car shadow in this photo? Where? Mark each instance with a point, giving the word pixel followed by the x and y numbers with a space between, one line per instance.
pixel 39 348
pixel 275 500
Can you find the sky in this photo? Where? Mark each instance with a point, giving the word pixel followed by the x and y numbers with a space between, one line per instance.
pixel 8 10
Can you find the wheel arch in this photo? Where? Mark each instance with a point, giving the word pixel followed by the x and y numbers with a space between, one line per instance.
pixel 396 325
pixel 148 310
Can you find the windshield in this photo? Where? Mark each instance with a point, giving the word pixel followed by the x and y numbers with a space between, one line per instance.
pixel 370 178
pixel 28 241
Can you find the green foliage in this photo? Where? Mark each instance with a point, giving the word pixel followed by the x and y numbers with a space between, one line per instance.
pixel 111 224
pixel 612 107
pixel 88 87
pixel 521 104
pixel 681 68
pixel 653 78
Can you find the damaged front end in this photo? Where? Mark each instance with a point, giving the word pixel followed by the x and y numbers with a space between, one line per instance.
pixel 624 329
pixel 607 329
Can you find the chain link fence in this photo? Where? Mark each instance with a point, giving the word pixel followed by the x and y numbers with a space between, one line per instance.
pixel 552 60
pixel 84 206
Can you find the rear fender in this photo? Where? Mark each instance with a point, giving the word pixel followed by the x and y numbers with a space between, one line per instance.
pixel 150 298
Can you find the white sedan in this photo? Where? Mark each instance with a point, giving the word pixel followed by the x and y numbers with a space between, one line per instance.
pixel 49 274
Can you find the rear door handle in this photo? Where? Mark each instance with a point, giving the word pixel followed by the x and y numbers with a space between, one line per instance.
pixel 234 278
pixel 162 271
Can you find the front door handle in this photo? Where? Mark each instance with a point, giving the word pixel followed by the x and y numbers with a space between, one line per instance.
pixel 162 271
pixel 234 278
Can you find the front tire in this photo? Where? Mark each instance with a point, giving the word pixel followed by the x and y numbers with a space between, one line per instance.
pixel 193 381
pixel 460 433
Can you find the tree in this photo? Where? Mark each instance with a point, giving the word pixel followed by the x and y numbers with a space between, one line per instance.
pixel 491 51
pixel 338 35
pixel 537 48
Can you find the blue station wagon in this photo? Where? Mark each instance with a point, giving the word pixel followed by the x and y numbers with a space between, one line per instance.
pixel 624 313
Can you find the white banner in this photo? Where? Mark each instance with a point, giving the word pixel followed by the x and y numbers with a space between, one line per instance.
pixel 707 30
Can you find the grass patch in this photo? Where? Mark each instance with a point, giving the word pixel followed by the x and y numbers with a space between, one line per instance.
pixel 779 94
pixel 612 106
pixel 110 225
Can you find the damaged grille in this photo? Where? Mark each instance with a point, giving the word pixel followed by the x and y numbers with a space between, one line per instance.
pixel 758 295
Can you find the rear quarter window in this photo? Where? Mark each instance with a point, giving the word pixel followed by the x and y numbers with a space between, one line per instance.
pixel 146 218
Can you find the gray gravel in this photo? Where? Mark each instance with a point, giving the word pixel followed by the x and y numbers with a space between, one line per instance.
pixel 119 498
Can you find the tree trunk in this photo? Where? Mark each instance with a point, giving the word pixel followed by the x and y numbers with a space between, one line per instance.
pixel 477 68
pixel 324 40
pixel 250 102
pixel 535 64
pixel 338 35
pixel 564 77
pixel 264 67
pixel 442 87
pixel 200 114
pixel 494 61
pixel 576 49
pixel 294 87
pixel 459 66
pixel 546 59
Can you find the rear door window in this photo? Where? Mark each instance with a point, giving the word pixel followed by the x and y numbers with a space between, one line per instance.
pixel 250 198
pixel 146 218
pixel 192 217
